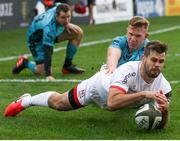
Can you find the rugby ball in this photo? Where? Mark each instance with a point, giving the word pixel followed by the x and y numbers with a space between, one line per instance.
pixel 148 117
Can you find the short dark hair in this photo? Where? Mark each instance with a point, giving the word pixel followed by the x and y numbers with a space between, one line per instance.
pixel 157 46
pixel 63 7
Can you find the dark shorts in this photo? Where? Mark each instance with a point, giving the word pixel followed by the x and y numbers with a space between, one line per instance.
pixel 36 47
pixel 73 99
pixel 37 52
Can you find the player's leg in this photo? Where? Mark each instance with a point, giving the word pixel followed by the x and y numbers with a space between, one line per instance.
pixel 91 4
pixel 62 102
pixel 36 66
pixel 37 52
pixel 72 47
pixel 77 97
pixel 20 64
pixel 47 99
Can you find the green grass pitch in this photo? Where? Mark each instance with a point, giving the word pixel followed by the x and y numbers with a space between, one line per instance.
pixel 90 122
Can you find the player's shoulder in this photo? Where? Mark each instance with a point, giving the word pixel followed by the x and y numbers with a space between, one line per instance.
pixel 125 74
pixel 119 41
pixel 120 38
pixel 131 66
pixel 164 85
pixel 163 80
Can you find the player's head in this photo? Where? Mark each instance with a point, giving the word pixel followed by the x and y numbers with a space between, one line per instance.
pixel 137 32
pixel 154 58
pixel 63 14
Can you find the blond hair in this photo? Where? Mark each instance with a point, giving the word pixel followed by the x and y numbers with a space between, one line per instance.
pixel 139 21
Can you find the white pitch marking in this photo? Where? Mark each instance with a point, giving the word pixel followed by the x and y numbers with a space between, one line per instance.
pixel 56 80
pixel 39 80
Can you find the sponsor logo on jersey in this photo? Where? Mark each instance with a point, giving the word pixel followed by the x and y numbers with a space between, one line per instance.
pixel 82 93
pixel 116 42
pixel 128 76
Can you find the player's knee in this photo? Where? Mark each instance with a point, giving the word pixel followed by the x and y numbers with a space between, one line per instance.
pixel 79 34
pixel 58 102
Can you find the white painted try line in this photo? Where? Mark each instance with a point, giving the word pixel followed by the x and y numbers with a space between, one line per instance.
pixel 39 80
pixel 94 43
pixel 55 81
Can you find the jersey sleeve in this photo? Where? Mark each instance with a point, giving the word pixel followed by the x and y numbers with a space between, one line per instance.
pixel 166 88
pixel 119 42
pixel 122 78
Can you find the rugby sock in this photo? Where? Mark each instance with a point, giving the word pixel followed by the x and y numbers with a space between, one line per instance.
pixel 70 52
pixel 68 62
pixel 37 100
pixel 31 65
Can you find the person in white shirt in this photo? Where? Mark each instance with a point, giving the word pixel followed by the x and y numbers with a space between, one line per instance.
pixel 135 82
pixel 39 8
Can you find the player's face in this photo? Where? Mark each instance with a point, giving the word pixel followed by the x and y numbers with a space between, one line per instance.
pixel 153 64
pixel 136 36
pixel 63 18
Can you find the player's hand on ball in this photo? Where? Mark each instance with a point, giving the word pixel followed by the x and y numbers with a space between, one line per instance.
pixel 162 102
pixel 150 94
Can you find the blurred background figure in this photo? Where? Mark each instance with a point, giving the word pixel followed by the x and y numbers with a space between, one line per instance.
pixel 91 4
pixel 51 3
pixel 80 7
pixel 39 7
pixel 62 1
pixel 48 3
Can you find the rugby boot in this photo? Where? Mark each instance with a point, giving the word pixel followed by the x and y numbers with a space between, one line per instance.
pixel 72 69
pixel 20 65
pixel 15 107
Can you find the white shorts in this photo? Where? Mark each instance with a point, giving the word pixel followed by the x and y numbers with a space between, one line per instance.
pixel 92 90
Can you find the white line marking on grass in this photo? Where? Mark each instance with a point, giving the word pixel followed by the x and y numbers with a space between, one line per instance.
pixel 93 43
pixel 164 30
pixel 177 54
pixel 174 82
pixel 55 81
pixel 39 80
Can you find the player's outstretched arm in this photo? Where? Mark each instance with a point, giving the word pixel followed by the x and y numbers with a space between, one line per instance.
pixel 113 56
pixel 118 99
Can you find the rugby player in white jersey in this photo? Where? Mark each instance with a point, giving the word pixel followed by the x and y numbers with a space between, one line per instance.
pixel 135 82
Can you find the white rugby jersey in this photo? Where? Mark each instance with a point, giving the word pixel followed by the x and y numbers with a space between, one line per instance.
pixel 127 78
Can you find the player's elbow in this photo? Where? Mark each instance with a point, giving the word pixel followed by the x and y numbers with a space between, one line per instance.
pixel 111 106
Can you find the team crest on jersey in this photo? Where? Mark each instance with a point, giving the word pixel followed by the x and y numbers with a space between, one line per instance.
pixel 82 93
pixel 116 42
pixel 128 76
